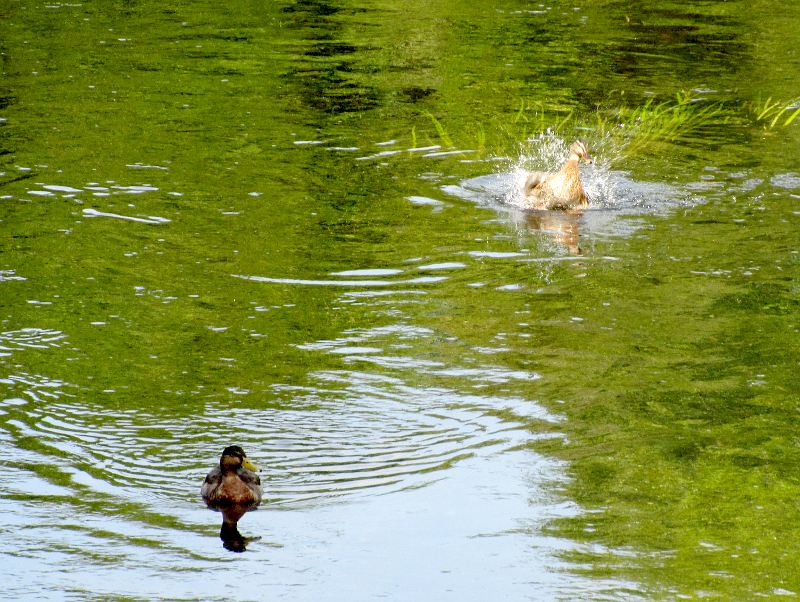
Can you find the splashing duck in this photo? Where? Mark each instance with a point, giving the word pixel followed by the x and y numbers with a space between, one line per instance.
pixel 562 189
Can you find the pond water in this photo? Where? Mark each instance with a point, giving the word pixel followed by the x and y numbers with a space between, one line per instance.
pixel 295 226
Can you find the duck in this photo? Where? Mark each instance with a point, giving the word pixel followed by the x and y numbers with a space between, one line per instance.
pixel 562 189
pixel 234 483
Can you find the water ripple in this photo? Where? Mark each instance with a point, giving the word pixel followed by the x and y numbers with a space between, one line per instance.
pixel 9 275
pixel 373 431
pixel 349 433
pixel 30 338
pixel 348 283
pixel 142 220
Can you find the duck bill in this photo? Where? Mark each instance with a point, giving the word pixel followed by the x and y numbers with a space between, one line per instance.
pixel 246 463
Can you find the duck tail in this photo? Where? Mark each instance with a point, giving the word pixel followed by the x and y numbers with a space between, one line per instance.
pixel 534 180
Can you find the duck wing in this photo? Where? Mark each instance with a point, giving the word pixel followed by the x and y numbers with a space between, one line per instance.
pixel 213 480
pixel 249 478
pixel 253 482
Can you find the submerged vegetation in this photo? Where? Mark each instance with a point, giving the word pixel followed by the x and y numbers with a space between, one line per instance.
pixel 633 129
pixel 774 113
pixel 621 131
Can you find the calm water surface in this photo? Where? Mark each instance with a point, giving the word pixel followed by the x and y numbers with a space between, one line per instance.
pixel 294 227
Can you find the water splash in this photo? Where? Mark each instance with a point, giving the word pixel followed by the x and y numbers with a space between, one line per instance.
pixel 607 189
pixel 547 152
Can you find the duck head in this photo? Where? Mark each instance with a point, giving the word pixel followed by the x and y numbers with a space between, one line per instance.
pixel 580 152
pixel 233 457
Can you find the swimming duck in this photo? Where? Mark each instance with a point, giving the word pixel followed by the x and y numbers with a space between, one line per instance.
pixel 561 189
pixel 234 483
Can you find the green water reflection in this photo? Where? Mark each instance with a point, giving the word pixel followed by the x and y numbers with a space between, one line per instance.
pixel 248 224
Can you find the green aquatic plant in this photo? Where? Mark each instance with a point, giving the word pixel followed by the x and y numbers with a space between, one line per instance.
pixel 548 121
pixel 632 129
pixel 501 135
pixel 627 130
pixel 440 130
pixel 774 113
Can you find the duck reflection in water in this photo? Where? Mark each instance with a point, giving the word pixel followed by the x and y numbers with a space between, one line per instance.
pixel 561 226
pixel 233 488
